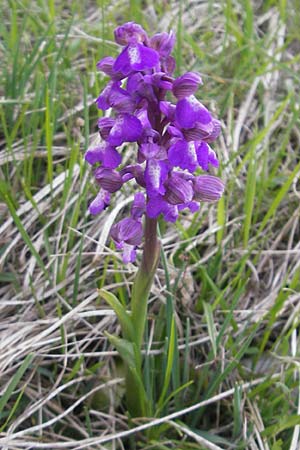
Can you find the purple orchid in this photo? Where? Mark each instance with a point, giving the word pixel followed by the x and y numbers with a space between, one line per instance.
pixel 172 138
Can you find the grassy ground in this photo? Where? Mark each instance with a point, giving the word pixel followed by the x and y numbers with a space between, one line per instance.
pixel 231 275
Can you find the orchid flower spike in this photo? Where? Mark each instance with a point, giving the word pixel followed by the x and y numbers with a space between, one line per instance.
pixel 173 138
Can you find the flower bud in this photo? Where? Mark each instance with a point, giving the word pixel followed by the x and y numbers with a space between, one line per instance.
pixel 130 32
pixel 178 190
pixel 208 188
pixel 186 85
pixel 109 180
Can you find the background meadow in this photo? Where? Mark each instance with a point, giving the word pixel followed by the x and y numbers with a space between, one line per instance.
pixel 230 274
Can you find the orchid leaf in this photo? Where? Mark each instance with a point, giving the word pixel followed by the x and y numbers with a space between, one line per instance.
pixel 123 316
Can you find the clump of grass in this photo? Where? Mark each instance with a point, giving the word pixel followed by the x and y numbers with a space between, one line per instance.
pixel 221 352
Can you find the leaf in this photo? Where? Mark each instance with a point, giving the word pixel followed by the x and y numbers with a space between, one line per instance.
pixel 124 348
pixel 281 425
pixel 123 316
pixel 15 380
pixel 211 326
pixel 170 360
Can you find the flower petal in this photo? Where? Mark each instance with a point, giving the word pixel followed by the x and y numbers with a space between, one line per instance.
pixel 129 253
pixel 163 43
pixel 178 190
pixel 104 153
pixel 129 32
pixel 157 205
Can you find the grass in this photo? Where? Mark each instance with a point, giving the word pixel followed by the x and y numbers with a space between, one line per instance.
pixel 221 364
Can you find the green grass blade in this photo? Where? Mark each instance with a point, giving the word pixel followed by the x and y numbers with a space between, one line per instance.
pixel 15 380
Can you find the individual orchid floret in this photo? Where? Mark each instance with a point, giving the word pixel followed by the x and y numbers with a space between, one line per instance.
pixel 126 128
pixel 127 234
pixel 189 112
pixel 178 190
pixel 113 96
pixel 130 32
pixel 186 85
pixel 208 188
pixel 110 180
pixel 163 43
pixel 104 153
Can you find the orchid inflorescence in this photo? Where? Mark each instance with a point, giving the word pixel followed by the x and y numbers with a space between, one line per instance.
pixel 172 138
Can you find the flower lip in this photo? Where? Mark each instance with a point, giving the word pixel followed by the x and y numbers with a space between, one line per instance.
pixel 104 153
pixel 100 202
pixel 135 57
pixel 189 112
pixel 126 128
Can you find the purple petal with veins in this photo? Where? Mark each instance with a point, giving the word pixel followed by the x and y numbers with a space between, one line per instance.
pixel 178 190
pixel 127 230
pixel 186 85
pixel 208 188
pixel 105 124
pixel 163 43
pixel 109 179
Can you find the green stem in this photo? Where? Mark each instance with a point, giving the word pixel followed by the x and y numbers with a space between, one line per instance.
pixel 144 278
